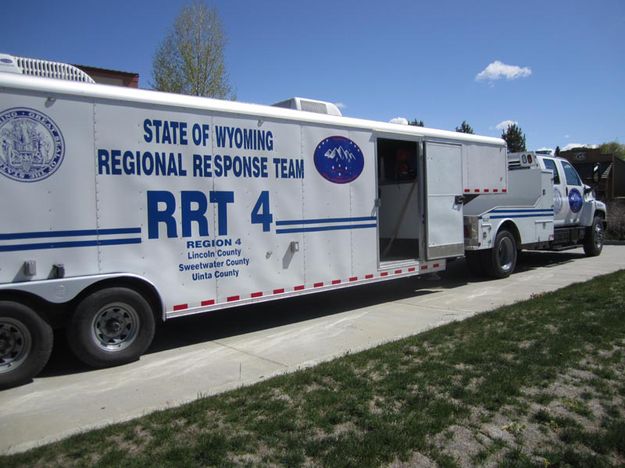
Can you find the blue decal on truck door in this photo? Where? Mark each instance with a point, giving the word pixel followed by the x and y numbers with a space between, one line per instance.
pixel 339 160
pixel 575 200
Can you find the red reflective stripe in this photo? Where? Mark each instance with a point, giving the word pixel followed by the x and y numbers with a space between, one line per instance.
pixel 368 276
pixel 495 190
pixel 384 273
pixel 477 190
pixel 411 269
pixel 353 278
pixel 278 291
pixel 467 190
pixel 208 302
pixel 486 190
pixel 424 267
pixel 299 287
pixel 318 285
pixel 336 281
pixel 397 272
pixel 256 294
pixel 504 190
pixel 233 298
pixel 181 307
pixel 436 265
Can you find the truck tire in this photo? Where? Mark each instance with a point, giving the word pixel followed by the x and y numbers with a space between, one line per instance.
pixel 500 261
pixel 475 262
pixel 111 326
pixel 25 344
pixel 593 240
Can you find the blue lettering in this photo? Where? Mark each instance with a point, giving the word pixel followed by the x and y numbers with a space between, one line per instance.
pixel 189 215
pixel 147 129
pixel 200 134
pixel 116 162
pixel 222 199
pixel 103 162
pixel 156 216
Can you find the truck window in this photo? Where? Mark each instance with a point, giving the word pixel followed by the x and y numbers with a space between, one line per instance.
pixel 571 174
pixel 551 164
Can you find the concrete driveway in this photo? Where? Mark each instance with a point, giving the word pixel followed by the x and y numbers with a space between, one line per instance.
pixel 209 354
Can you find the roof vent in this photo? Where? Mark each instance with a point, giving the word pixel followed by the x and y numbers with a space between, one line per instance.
pixel 43 68
pixel 310 105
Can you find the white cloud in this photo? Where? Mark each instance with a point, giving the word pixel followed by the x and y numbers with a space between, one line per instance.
pixel 498 70
pixel 399 120
pixel 571 146
pixel 340 105
pixel 503 125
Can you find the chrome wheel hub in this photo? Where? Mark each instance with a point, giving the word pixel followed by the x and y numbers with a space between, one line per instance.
pixel 115 326
pixel 15 344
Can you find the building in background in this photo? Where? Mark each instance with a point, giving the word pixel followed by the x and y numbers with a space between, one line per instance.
pixel 111 77
pixel 604 172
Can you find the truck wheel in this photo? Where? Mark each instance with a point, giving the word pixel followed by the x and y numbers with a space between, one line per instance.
pixel 593 240
pixel 25 344
pixel 474 262
pixel 500 261
pixel 110 327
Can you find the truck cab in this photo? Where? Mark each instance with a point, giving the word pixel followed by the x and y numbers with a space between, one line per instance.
pixel 574 205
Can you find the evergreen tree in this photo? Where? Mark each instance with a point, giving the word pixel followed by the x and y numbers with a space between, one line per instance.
pixel 515 138
pixel 416 123
pixel 465 128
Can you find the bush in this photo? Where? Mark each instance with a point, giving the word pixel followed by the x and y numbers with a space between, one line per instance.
pixel 616 220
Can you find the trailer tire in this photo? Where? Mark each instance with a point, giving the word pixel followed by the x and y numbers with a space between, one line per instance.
pixel 475 262
pixel 25 344
pixel 500 261
pixel 111 326
pixel 593 240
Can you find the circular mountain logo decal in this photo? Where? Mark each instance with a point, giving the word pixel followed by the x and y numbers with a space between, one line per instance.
pixel 339 160
pixel 31 145
pixel 575 200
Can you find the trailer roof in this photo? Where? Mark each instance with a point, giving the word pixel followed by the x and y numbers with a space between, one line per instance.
pixel 56 88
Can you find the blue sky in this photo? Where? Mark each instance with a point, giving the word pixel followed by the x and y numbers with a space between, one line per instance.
pixel 565 80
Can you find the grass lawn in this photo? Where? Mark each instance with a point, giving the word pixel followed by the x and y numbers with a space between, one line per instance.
pixel 537 383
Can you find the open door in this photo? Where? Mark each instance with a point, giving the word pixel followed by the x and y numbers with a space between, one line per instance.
pixel 443 220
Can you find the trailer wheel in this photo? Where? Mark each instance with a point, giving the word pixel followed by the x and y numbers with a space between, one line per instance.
pixel 593 240
pixel 111 326
pixel 500 261
pixel 475 262
pixel 25 344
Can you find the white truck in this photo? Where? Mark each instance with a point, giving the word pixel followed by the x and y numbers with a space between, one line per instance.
pixel 546 207
pixel 124 207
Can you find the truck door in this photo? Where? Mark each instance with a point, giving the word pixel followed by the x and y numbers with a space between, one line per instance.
pixel 574 193
pixel 443 214
pixel 567 192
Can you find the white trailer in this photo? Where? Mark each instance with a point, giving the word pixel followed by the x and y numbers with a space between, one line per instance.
pixel 124 207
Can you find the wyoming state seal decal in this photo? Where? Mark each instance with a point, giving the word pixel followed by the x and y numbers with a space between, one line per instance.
pixel 31 145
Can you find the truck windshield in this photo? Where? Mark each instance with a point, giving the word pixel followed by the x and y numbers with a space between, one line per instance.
pixel 571 174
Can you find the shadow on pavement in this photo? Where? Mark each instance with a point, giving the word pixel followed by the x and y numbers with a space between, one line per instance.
pixel 201 328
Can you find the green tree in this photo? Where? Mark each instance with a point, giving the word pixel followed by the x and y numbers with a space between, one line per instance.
pixel 190 60
pixel 613 147
pixel 515 138
pixel 465 128
pixel 416 123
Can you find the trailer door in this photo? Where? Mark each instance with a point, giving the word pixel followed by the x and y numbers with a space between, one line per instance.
pixel 443 219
